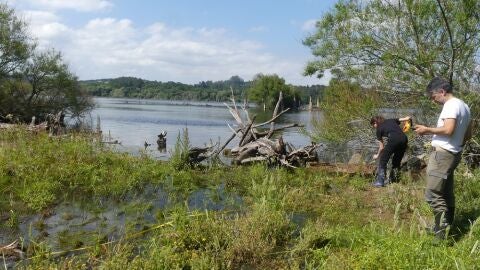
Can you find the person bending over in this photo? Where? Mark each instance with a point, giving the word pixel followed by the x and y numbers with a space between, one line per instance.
pixel 392 144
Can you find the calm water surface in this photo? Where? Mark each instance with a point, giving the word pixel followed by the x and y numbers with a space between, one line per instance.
pixel 136 121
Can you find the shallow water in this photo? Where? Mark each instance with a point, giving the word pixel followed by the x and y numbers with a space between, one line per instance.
pixel 75 224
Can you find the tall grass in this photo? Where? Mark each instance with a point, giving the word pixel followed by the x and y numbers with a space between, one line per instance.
pixel 179 158
pixel 301 219
pixel 41 171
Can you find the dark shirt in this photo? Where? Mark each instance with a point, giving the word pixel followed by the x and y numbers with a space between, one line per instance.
pixel 389 128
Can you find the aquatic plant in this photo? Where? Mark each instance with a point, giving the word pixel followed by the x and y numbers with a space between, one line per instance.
pixel 41 171
pixel 179 156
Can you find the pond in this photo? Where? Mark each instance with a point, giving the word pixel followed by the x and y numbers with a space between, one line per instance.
pixel 135 121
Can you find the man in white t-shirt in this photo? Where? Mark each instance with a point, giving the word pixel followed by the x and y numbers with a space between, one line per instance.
pixel 449 136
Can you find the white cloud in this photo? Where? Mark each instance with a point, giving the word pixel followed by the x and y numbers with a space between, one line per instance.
pixel 110 47
pixel 78 5
pixel 43 24
pixel 309 25
pixel 40 17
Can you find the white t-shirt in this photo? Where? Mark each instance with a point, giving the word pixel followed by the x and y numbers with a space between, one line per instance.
pixel 458 110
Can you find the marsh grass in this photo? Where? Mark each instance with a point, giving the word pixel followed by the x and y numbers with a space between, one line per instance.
pixel 179 157
pixel 299 219
pixel 41 171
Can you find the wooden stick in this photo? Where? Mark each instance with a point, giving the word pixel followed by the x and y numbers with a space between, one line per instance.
pixel 246 131
pixel 224 145
pixel 271 120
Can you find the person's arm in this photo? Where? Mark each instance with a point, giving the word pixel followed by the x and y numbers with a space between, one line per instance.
pixel 380 149
pixel 447 129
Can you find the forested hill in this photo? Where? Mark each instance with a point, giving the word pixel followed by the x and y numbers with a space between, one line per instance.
pixel 203 91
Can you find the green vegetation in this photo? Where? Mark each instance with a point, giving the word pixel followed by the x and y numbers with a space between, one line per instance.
pixel 344 102
pixel 302 219
pixel 398 45
pixel 179 158
pixel 266 89
pixel 32 82
pixel 41 171
pixel 261 218
pixel 138 88
pixel 204 91
pixel 473 101
pixel 388 51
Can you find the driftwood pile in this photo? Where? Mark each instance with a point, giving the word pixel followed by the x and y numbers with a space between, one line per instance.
pixel 54 124
pixel 256 143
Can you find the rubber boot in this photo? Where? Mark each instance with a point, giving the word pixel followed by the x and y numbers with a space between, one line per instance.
pixel 441 226
pixel 380 179
pixel 449 215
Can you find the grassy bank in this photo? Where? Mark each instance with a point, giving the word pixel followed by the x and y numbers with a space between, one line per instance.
pixel 286 219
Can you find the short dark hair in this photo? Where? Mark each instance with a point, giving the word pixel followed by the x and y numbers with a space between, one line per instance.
pixel 437 84
pixel 376 120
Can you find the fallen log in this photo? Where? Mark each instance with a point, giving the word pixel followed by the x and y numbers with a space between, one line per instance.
pixel 199 154
pixel 253 160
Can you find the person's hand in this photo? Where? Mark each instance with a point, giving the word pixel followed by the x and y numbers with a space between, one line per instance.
pixel 375 156
pixel 420 129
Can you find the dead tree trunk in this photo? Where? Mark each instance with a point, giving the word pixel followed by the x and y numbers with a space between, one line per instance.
pixel 255 141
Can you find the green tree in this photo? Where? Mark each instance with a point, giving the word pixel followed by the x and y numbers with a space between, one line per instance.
pixel 236 81
pixel 45 86
pixel 34 83
pixel 265 90
pixel 346 109
pixel 118 92
pixel 15 44
pixel 398 44
pixel 56 86
pixel 15 49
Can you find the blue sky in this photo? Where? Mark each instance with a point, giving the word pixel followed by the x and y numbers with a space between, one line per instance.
pixel 177 40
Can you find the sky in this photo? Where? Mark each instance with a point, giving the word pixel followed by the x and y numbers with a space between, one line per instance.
pixel 184 41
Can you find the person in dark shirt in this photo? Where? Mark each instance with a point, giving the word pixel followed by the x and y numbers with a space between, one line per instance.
pixel 392 144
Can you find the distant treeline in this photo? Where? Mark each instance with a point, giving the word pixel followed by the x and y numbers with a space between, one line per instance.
pixel 131 87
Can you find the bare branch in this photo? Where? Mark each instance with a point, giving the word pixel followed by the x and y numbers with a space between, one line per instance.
pixel 246 131
pixel 273 119
pixel 452 45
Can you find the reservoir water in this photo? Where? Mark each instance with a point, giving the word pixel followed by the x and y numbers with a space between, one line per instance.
pixel 135 121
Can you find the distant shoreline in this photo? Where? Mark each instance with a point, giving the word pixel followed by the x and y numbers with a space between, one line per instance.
pixel 149 101
pixel 167 102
